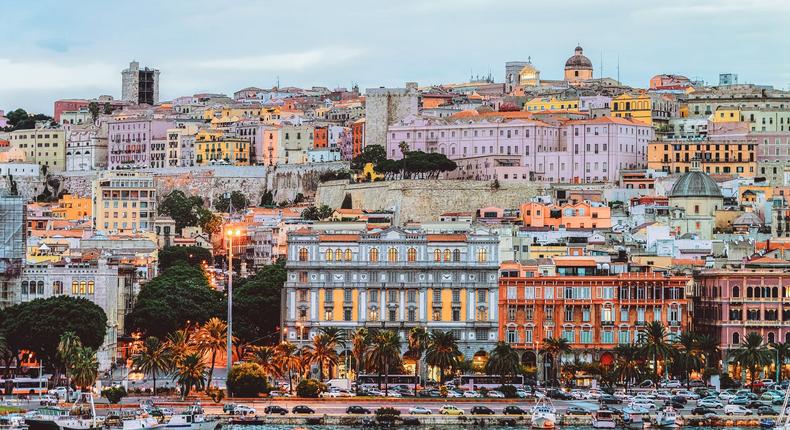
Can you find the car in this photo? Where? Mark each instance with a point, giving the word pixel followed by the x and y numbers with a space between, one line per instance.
pixel 59 392
pixel 755 384
pixel 770 396
pixel 275 410
pixel 575 410
pixel 513 410
pixel 419 410
pixel 679 399
pixel 785 384
pixel 710 403
pixel 674 403
pixel 662 395
pixel 481 410
pixel 736 410
pixel 494 394
pixel 643 404
pixel 228 408
pixel 165 412
pixel 768 383
pixel 278 393
pixel 740 401
pixel 472 394
pixel 302 409
pixel 608 399
pixel 47 400
pixel 644 396
pixel 754 404
pixel 244 410
pixel 354 409
pixel 337 393
pixel 688 395
pixel 393 393
pixel 593 394
pixel 672 383
pixel 430 393
pixel 701 410
pixel 558 394
pixel 450 410
pixel 577 394
pixel 767 410
pixel 521 393
pixel 454 394
pixel 725 396
pixel 646 384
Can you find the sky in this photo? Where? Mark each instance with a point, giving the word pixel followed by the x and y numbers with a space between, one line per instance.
pixel 57 49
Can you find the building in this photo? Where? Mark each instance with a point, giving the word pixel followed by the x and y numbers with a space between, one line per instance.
pixel 137 142
pixel 385 106
pixel 654 109
pixel 140 86
pixel 704 102
pixel 124 202
pixel 670 83
pixel 86 148
pixel 393 279
pixel 181 146
pixel 13 239
pixel 693 202
pixel 550 103
pixel 43 146
pixel 582 301
pixel 716 155
pixel 578 68
pixel 73 208
pixel 214 146
pixel 570 216
pixel 512 74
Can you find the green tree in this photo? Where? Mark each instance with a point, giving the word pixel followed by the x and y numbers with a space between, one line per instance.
pixel 322 353
pixel 191 373
pixel 68 344
pixel 359 347
pixel 655 344
pixel 504 361
pixel 208 221
pixel 710 350
pixel 247 380
pixel 687 355
pixel 309 388
pixel 260 291
pixel 181 208
pixel 180 344
pixel 374 154
pixel 190 255
pixel 266 357
pixel 752 355
pixel 418 342
pixel 154 358
pixel 267 199
pixel 627 363
pixel 317 213
pixel 114 394
pixel 212 339
pixel 84 367
pixel 93 107
pixel 556 347
pixel 782 351
pixel 239 201
pixel 383 353
pixel 287 361
pixel 347 202
pixel 107 108
pixel 442 352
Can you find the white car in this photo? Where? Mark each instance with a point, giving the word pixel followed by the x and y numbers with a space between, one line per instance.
pixel 577 394
pixel 393 393
pixel 472 394
pixel 672 383
pixel 710 403
pixel 520 393
pixel 279 394
pixel 47 400
pixel 648 397
pixel 495 394
pixel 726 396
pixel 662 395
pixel 736 410
pixel 244 410
pixel 419 410
pixel 688 395
pixel 453 393
pixel 337 393
pixel 644 404
pixel 592 394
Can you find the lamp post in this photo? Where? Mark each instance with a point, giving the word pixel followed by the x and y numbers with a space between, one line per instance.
pixel 230 233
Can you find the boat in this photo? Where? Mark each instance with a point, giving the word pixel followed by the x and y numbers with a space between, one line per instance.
pixel 668 418
pixel 192 419
pixel 45 418
pixel 139 420
pixel 783 422
pixel 544 415
pixel 603 419
pixel 636 418
pixel 767 423
pixel 13 422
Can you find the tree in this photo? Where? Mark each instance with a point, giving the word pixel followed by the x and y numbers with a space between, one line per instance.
pixel 114 394
pixel 267 199
pixel 298 198
pixel 359 347
pixel 260 291
pixel 627 363
pixel 654 343
pixel 347 202
pixel 182 208
pixel 67 348
pixel 782 350
pixel 93 107
pixel 208 221
pixel 266 357
pixel 710 350
pixel 247 380
pixel 212 338
pixel 752 355
pixel 191 373
pixel 374 154
pixel 317 213
pixel 181 293
pixel 38 325
pixel 418 342
pixel 322 353
pixel 555 347
pixel 504 361
pixel 180 344
pixel 287 361
pixel 84 367
pixel 107 108
pixel 687 355
pixel 310 388
pixel 190 255
pixel 383 352
pixel 239 201
pixel 154 358
pixel 442 352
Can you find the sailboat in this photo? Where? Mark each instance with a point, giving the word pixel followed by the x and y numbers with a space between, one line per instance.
pixel 80 418
pixel 783 422
pixel 544 415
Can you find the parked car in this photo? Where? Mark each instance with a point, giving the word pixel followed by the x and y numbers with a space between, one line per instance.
pixel 522 393
pixel 481 410
pixel 244 410
pixel 642 404
pixel 768 383
pixel 278 393
pixel 767 410
pixel 494 394
pixel 513 410
pixel 419 410
pixel 671 383
pixel 674 403
pixel 739 401
pixel 47 400
pixel 453 393
pixel 679 399
pixel 736 410
pixel 688 395
pixel 646 384
pixel 354 409
pixel 450 410
pixel 228 408
pixel 472 394
pixel 337 393
pixel 575 410
pixel 608 399
pixel 302 409
pixel 696 383
pixel 274 409
pixel 558 394
pixel 710 403
pixel 701 410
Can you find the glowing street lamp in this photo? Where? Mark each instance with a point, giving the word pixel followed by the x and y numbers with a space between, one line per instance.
pixel 230 233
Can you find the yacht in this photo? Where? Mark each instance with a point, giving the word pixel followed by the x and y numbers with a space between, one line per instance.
pixel 668 418
pixel 192 419
pixel 544 416
pixel 636 418
pixel 134 421
pixel 13 422
pixel 45 418
pixel 603 419
pixel 783 422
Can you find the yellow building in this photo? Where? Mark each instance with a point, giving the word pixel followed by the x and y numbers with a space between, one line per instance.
pixel 542 103
pixel 649 108
pixel 124 202
pixel 224 113
pixel 72 208
pixel 716 157
pixel 726 114
pixel 215 147
pixel 43 146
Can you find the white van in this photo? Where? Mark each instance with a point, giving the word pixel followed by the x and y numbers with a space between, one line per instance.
pixel 736 410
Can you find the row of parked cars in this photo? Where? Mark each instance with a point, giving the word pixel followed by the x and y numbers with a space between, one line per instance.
pixel 405 391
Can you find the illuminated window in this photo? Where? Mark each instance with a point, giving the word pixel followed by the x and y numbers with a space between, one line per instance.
pixel 90 287
pixel 482 255
pixel 446 255
pixel 75 287
pixel 83 286
pixel 338 255
pixel 392 255
pixel 437 255
pixel 329 255
pixel 412 255
pixel 57 288
pixel 374 254
pixel 348 255
pixel 303 254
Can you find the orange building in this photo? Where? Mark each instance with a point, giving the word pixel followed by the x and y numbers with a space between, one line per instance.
pixel 73 208
pixel 584 304
pixel 579 215
pixel 716 156
pixel 357 137
pixel 321 137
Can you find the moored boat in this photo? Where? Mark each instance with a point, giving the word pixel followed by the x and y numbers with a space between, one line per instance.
pixel 603 419
pixel 192 419
pixel 544 415
pixel 13 422
pixel 668 418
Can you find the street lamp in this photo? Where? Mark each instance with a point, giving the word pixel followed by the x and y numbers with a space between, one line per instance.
pixel 230 233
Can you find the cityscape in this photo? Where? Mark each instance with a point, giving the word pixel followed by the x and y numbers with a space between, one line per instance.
pixel 534 243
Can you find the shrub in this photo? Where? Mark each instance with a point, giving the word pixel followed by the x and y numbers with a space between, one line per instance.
pixel 309 388
pixel 387 413
pixel 508 390
pixel 247 380
pixel 114 394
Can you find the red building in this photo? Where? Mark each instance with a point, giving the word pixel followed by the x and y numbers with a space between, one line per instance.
pixel 321 137
pixel 357 137
pixel 68 105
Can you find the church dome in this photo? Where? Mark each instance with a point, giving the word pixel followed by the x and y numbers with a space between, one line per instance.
pixel 696 184
pixel 578 60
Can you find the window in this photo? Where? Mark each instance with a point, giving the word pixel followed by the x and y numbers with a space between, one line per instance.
pixel 456 314
pixel 482 255
pixel 456 255
pixel 528 313
pixel 348 255
pixel 567 334
pixel 411 315
pixel 75 287
pixel 57 288
pixel 338 255
pixel 392 255
pixel 437 255
pixel 411 255
pixel 411 296
pixel 623 337
pixel 481 296
pixel 347 314
pixel 393 315
pixel 456 295
pixel 736 338
pixel 374 296
pixel 586 336
pixel 373 255
pixel 511 314
pixel 607 337
pixel 437 315
pixel 303 254
pixel 511 293
pixel 511 336
pixel 393 296
pixel 568 313
pixel 329 255
pixel 346 295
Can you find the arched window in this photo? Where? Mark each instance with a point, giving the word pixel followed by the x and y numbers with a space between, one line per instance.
pixel 392 254
pixel 57 288
pixel 329 255
pixel 75 287
pixel 749 293
pixel 456 255
pixel 758 292
pixel 771 338
pixel 24 287
pixel 338 255
pixel 482 255
pixel 348 255
pixel 736 291
pixel 40 288
pixel 303 254
pixel 736 338
pixel 437 255
pixel 775 292
pixel 411 255
pixel 446 255
pixel 373 255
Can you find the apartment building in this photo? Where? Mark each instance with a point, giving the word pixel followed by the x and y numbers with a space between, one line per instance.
pixel 124 202
pixel 43 146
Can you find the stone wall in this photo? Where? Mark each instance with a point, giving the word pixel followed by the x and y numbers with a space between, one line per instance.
pixel 425 200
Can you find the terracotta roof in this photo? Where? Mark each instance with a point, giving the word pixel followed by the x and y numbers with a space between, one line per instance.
pixel 609 120
pixel 446 237
pixel 687 262
pixel 773 245
pixel 559 261
pixel 338 237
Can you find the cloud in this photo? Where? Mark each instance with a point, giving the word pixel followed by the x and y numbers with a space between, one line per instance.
pixel 46 75
pixel 293 61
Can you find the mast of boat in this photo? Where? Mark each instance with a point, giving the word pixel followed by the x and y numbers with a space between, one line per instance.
pixel 783 418
pixel 93 411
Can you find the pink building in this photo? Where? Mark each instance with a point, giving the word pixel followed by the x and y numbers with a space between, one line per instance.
pixel 521 149
pixel 136 143
pixel 3 120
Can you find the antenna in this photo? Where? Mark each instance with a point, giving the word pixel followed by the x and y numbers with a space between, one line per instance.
pixel 618 70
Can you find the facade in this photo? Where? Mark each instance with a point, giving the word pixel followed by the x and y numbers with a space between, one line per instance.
pixel 650 108
pixel 181 146
pixel 13 239
pixel 43 146
pixel 86 148
pixel 704 102
pixel 73 208
pixel 571 216
pixel 735 156
pixel 140 86
pixel 578 68
pixel 136 143
pixel 385 106
pixel 124 202
pixel 395 279
pixel 693 202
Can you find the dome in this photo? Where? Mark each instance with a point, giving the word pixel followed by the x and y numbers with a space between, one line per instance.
pixel 695 184
pixel 578 60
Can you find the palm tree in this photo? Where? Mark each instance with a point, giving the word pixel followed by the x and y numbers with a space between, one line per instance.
pixel 442 352
pixel 84 367
pixel 555 347
pixel 191 372
pixel 287 361
pixel 710 349
pixel 359 346
pixel 687 354
pixel 418 342
pixel 383 352
pixel 212 338
pixel 627 363
pixel 782 350
pixel 654 343
pixel 153 358
pixel 336 336
pixel 69 342
pixel 503 361
pixel 322 353
pixel 180 343
pixel 266 357
pixel 752 354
